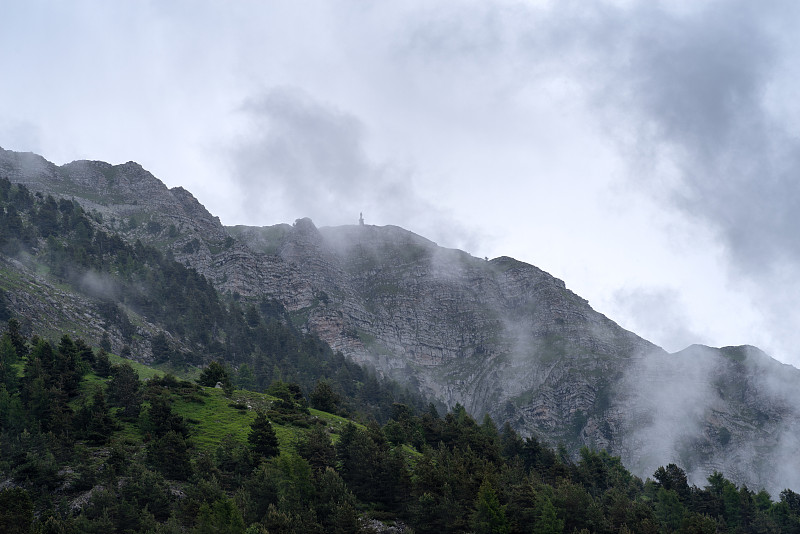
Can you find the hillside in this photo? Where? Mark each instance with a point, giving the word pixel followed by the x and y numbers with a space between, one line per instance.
pixel 88 447
pixel 62 272
pixel 499 337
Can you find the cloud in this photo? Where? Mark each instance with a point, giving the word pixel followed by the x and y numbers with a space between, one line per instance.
pixel 658 314
pixel 696 408
pixel 309 155
pixel 20 135
pixel 692 90
pixel 695 90
pixel 98 284
pixel 695 97
pixel 668 402
pixel 302 157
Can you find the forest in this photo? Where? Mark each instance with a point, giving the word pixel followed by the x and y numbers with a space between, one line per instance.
pixel 87 446
pixel 296 438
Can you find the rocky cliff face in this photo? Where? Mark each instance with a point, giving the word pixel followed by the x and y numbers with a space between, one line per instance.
pixel 500 337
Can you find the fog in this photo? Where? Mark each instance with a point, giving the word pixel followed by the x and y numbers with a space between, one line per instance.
pixel 302 156
pixel 705 410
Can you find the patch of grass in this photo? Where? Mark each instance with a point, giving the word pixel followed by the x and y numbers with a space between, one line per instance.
pixel 219 416
pixel 128 432
pixel 145 372
pixel 11 279
pixel 335 423
pixel 90 382
pixel 183 372
pixel 211 415
pixel 213 419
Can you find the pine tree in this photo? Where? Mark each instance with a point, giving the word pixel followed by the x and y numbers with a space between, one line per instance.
pixel 324 397
pixel 102 365
pixel 489 516
pixel 215 374
pixel 548 522
pixel 124 390
pixel 161 419
pixel 93 421
pixel 169 454
pixel 8 357
pixel 335 504
pixel 262 437
pixel 221 516
pixel 317 449
pixel 16 338
pixel 245 379
pixel 16 511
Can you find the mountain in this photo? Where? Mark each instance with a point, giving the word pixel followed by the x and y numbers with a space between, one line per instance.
pixel 500 337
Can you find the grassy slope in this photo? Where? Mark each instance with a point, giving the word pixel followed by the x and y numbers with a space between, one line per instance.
pixel 212 415
pixel 217 416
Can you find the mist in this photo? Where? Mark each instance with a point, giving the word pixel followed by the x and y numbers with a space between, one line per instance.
pixel 699 409
pixel 700 112
pixel 98 285
pixel 305 157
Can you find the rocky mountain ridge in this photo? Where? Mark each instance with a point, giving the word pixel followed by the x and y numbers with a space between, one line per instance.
pixel 500 337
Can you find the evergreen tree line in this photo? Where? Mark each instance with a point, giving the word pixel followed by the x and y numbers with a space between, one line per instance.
pixel 85 446
pixel 256 340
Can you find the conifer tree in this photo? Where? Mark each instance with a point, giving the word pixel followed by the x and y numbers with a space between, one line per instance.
pixel 16 511
pixel 245 379
pixel 8 357
pixel 221 516
pixel 161 419
pixel 317 449
pixel 335 504
pixel 262 437
pixel 548 522
pixel 124 390
pixel 169 454
pixel 16 338
pixel 102 365
pixel 216 373
pixel 489 516
pixel 93 421
pixel 324 397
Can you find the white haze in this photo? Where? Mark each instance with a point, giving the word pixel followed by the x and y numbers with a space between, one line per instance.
pixel 99 285
pixel 643 151
pixel 674 407
pixel 669 403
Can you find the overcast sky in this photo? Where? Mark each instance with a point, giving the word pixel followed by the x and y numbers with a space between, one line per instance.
pixel 645 152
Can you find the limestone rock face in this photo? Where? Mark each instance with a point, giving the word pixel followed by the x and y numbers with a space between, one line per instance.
pixel 500 337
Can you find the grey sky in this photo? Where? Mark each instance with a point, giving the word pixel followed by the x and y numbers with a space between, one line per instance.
pixel 645 152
